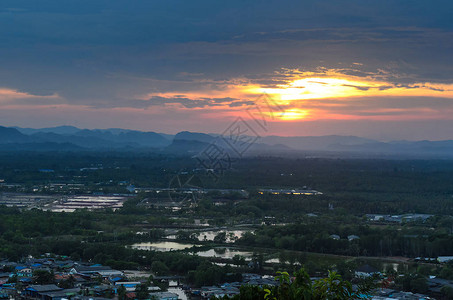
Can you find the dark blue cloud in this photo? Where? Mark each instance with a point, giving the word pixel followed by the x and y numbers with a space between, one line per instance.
pixel 102 52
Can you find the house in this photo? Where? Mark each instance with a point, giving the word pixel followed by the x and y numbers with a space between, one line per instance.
pixel 444 259
pixel 130 295
pixel 262 282
pixel 4 277
pixel 436 284
pixel 129 285
pixel 76 279
pixel 335 237
pixel 114 279
pixel 353 237
pixel 416 217
pixel 36 291
pixel 89 298
pixel 373 217
pixel 366 271
pixel 394 218
pixel 24 272
pixel 219 292
pixel 164 296
pixel 210 291
pixel 65 264
pixel 131 189
pixel 26 280
pixel 8 264
pixel 102 290
pixel 59 295
pixel 405 295
pixel 95 270
pixel 8 291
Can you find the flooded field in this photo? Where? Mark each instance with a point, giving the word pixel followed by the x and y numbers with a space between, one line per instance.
pixel 218 252
pixel 231 235
pixel 225 253
pixel 162 246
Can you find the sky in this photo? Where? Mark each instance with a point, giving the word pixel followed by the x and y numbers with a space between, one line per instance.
pixel 377 69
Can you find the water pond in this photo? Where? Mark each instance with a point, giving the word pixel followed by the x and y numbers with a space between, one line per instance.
pixel 162 246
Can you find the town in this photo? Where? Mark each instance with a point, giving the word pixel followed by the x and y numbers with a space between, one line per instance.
pixel 87 233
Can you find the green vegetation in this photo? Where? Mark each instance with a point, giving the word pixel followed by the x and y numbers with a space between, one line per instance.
pixel 304 288
pixel 312 234
pixel 296 229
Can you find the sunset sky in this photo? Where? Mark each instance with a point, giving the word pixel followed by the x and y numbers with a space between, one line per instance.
pixel 379 69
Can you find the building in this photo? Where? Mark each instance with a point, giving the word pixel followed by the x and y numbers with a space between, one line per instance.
pixel 95 270
pixel 353 237
pixel 334 237
pixel 366 271
pixel 37 291
pixel 288 192
pixel 444 259
pixel 164 296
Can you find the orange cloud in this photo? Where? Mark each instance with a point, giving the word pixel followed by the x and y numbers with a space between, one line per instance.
pixel 325 94
pixel 8 95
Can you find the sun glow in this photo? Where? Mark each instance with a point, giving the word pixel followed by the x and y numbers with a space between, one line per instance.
pixel 300 95
pixel 332 87
pixel 309 96
pixel 319 88
pixel 293 114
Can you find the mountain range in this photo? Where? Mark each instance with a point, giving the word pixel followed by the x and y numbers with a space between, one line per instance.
pixel 68 138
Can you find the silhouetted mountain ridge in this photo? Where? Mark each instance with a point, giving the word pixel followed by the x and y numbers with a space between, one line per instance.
pixel 12 135
pixel 66 138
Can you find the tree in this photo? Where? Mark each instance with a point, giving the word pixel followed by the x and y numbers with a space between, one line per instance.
pixel 220 237
pixel 13 279
pixel 141 291
pixel 159 268
pixel 302 288
pixel 447 291
pixel 67 283
pixel 346 269
pixel 419 285
pixel 258 262
pixel 333 287
pixel 239 260
pixel 43 277
pixel 186 236
pixel 121 292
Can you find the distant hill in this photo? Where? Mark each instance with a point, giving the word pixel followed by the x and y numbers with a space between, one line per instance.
pixel 39 147
pixel 57 130
pixel 67 138
pixel 182 146
pixel 194 136
pixel 326 145
pixel 194 142
pixel 97 139
pixel 12 135
pixel 426 148
pixel 80 141
pixel 316 142
pixel 122 138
